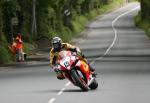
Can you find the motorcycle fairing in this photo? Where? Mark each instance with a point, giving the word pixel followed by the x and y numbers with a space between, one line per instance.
pixel 84 68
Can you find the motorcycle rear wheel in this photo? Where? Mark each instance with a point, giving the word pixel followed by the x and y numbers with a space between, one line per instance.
pixel 93 85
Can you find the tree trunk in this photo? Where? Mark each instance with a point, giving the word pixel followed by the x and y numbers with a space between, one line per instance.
pixel 1 22
pixel 34 27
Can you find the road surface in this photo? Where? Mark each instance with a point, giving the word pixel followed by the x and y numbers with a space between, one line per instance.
pixel 118 50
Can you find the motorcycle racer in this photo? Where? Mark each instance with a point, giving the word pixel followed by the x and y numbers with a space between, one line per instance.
pixel 57 46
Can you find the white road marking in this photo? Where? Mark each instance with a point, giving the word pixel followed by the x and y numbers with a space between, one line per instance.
pixel 67 84
pixel 52 100
pixel 61 91
pixel 108 49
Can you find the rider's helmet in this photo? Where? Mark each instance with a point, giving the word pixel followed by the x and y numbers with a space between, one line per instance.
pixel 57 43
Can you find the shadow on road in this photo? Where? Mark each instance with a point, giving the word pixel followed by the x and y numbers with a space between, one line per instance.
pixel 56 91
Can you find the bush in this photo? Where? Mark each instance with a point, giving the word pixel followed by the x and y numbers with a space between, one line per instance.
pixel 27 48
pixel 5 56
pixel 142 23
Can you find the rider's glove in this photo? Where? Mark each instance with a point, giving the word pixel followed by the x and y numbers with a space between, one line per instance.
pixel 83 55
pixel 55 68
pixel 78 53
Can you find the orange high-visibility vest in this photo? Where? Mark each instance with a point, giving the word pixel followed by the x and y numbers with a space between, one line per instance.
pixel 19 44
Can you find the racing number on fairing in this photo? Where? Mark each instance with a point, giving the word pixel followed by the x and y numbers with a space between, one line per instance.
pixel 66 64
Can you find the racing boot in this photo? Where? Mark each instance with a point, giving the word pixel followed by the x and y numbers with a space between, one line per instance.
pixel 60 76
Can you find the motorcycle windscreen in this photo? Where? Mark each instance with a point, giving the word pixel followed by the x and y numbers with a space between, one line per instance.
pixel 64 54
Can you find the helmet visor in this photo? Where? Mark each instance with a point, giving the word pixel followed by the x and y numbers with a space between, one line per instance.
pixel 56 45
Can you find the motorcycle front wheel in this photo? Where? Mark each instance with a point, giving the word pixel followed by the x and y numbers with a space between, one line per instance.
pixel 79 81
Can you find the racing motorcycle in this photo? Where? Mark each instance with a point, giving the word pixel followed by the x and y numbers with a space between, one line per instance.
pixel 76 70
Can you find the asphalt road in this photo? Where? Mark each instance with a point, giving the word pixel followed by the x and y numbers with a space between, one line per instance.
pixel 118 50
